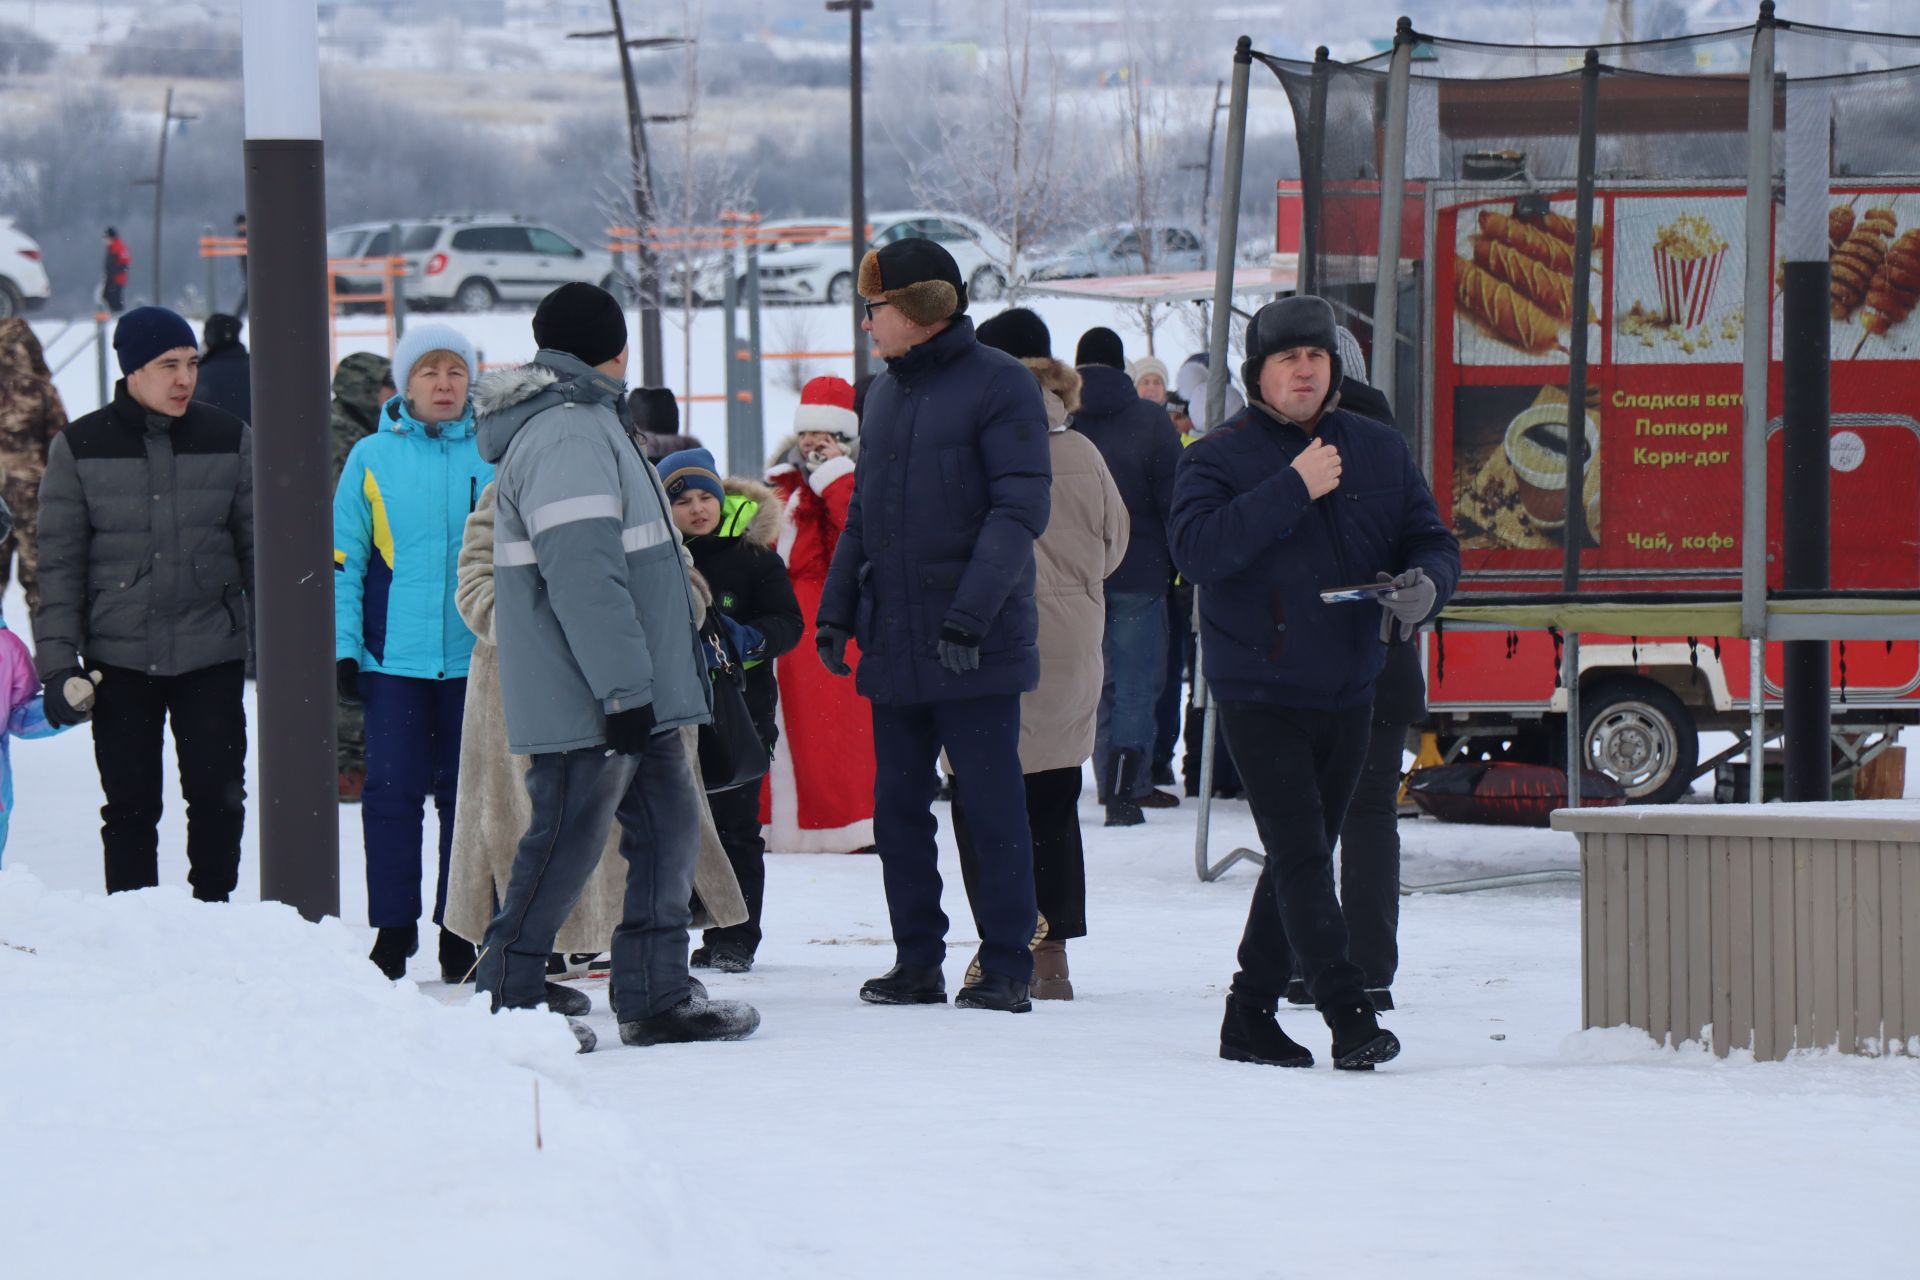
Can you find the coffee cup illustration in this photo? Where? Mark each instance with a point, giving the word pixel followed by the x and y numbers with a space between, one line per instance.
pixel 1536 448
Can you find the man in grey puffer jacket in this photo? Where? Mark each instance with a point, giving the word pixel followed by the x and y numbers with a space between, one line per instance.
pixel 601 662
pixel 146 570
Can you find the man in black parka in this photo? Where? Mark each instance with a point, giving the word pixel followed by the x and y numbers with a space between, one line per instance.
pixel 1292 497
pixel 934 577
pixel 146 569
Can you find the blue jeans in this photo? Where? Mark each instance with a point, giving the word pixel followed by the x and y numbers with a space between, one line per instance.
pixel 982 739
pixel 577 796
pixel 413 751
pixel 1135 650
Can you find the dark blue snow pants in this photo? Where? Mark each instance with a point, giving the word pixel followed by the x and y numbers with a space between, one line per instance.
pixel 982 741
pixel 413 750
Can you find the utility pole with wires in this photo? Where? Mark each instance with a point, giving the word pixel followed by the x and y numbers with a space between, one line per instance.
pixel 168 118
pixel 857 215
pixel 646 266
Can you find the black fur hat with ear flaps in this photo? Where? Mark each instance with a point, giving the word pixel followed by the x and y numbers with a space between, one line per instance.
pixel 917 276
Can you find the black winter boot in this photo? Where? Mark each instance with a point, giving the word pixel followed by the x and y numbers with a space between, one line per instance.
pixel 1381 998
pixel 904 985
pixel 995 991
pixel 575 1004
pixel 1122 769
pixel 457 959
pixel 392 947
pixel 726 959
pixel 1250 1033
pixel 693 1020
pixel 1359 1041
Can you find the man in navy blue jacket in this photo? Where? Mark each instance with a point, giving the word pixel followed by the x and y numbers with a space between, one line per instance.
pixel 933 576
pixel 1290 498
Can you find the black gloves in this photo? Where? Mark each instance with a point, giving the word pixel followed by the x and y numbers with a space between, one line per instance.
pixel 346 676
pixel 629 731
pixel 959 649
pixel 832 643
pixel 1411 602
pixel 64 702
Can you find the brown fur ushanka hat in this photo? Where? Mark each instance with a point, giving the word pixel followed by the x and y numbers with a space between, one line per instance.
pixel 917 276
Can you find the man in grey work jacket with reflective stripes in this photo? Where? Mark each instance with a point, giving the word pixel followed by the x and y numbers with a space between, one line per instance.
pixel 600 666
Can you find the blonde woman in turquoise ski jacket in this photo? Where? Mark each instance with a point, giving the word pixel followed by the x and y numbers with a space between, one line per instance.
pixel 400 645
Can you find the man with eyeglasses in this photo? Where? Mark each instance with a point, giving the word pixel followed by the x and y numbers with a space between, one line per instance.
pixel 1290 498
pixel 934 577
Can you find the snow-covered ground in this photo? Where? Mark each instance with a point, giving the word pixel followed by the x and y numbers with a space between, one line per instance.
pixel 189 1090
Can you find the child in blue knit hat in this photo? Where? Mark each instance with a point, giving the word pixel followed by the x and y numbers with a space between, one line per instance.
pixel 731 528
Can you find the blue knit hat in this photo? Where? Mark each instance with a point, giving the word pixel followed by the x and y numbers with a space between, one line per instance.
pixel 424 339
pixel 145 334
pixel 691 469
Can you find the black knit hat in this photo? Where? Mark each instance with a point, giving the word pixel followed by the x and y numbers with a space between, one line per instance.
pixel 583 321
pixel 220 332
pixel 1018 332
pixel 1300 321
pixel 654 410
pixel 917 276
pixel 1101 346
pixel 145 334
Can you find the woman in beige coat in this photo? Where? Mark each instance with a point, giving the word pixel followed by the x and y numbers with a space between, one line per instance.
pixel 493 810
pixel 1085 540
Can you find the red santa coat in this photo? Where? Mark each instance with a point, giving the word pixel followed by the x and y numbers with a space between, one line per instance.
pixel 818 796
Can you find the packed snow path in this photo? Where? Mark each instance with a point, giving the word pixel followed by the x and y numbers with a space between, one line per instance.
pixel 189 1090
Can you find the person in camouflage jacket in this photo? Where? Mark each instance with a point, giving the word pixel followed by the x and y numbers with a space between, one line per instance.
pixel 362 383
pixel 30 416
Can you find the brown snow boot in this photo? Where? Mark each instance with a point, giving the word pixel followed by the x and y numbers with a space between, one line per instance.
pixel 1050 980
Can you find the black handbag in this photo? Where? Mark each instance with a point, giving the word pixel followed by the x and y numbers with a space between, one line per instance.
pixel 732 753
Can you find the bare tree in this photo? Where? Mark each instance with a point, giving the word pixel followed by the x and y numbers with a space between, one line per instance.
pixel 1144 160
pixel 1005 163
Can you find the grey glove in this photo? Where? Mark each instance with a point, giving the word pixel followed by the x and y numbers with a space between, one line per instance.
pixel 959 650
pixel 831 641
pixel 1409 604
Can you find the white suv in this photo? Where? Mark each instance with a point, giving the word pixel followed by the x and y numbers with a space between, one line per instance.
pixel 23 277
pixel 474 262
pixel 823 272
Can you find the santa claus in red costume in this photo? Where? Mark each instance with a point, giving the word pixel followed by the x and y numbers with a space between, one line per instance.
pixel 818 797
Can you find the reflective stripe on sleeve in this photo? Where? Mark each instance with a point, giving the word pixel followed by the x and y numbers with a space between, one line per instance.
pixel 598 506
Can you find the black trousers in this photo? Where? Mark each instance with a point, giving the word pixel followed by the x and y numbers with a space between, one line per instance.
pixel 210 739
pixel 1370 859
pixel 1299 767
pixel 982 740
pixel 1059 859
pixel 736 816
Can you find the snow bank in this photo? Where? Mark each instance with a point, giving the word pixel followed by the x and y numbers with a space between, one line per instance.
pixel 231 1090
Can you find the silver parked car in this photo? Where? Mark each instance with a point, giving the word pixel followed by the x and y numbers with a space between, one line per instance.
pixel 1122 251
pixel 473 262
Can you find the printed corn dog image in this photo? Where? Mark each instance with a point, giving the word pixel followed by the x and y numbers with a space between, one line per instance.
pixel 1543 285
pixel 1529 240
pixel 1561 227
pixel 1855 262
pixel 1503 309
pixel 1896 285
